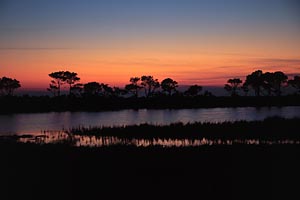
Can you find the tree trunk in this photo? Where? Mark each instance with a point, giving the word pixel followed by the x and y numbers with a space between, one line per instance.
pixel 70 89
pixel 58 92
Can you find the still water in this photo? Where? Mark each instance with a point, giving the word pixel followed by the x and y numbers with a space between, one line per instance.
pixel 35 123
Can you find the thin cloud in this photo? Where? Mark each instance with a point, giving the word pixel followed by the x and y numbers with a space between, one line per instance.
pixel 273 68
pixel 34 48
pixel 284 60
pixel 277 60
pixel 213 78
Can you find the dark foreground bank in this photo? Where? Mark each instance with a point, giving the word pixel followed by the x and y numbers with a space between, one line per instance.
pixel 124 172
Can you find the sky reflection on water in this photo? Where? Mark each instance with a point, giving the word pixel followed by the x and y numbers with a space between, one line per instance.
pixel 35 123
pixel 104 141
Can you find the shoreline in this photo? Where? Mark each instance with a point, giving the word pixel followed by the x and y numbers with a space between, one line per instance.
pixel 27 104
pixel 272 130
pixel 128 172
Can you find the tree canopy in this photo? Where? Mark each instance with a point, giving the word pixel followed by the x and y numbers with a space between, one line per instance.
pixel 60 78
pixel 268 83
pixel 193 90
pixel 134 86
pixel 149 84
pixel 233 85
pixel 295 83
pixel 271 82
pixel 92 88
pixel 8 86
pixel 168 85
pixel 256 81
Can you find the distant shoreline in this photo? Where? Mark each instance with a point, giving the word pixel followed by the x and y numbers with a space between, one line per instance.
pixel 27 104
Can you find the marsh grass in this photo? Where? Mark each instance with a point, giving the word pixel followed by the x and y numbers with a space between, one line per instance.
pixel 271 131
pixel 274 128
pixel 126 171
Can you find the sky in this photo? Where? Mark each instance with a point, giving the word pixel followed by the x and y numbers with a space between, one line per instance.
pixel 202 42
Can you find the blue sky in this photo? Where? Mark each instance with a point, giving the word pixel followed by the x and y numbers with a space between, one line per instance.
pixel 115 19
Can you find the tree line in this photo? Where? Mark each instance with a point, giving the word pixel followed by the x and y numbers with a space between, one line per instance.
pixel 146 84
pixel 267 84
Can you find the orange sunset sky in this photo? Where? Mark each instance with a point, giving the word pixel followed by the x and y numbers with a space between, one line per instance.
pixel 194 42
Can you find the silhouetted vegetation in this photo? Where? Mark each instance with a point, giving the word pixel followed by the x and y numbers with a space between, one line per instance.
pixel 133 87
pixel 148 93
pixel 92 88
pixel 271 131
pixel 8 86
pixel 193 91
pixel 269 82
pixel 169 86
pixel 233 86
pixel 15 104
pixel 220 171
pixel 71 78
pixel 55 85
pixel 33 171
pixel 266 84
pixel 60 78
pixel 245 89
pixel 273 128
pixel 274 81
pixel 150 85
pixel 255 80
pixel 295 83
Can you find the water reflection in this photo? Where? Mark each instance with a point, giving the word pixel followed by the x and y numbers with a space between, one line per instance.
pixel 103 141
pixel 34 123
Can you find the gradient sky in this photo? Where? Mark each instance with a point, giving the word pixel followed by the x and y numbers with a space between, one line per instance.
pixel 193 41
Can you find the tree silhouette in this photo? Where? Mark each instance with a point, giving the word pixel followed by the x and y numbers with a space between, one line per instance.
pixel 56 83
pixel 193 90
pixel 233 85
pixel 295 83
pixel 279 79
pixel 130 88
pixel 207 93
pixel 70 78
pixel 168 85
pixel 106 90
pixel 77 89
pixel 118 92
pixel 245 89
pixel 273 82
pixel 256 81
pixel 60 78
pixel 268 78
pixel 54 88
pixel 8 86
pixel 149 84
pixel 92 88
pixel 133 87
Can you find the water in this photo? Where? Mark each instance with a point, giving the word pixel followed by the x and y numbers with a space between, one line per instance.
pixel 35 123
